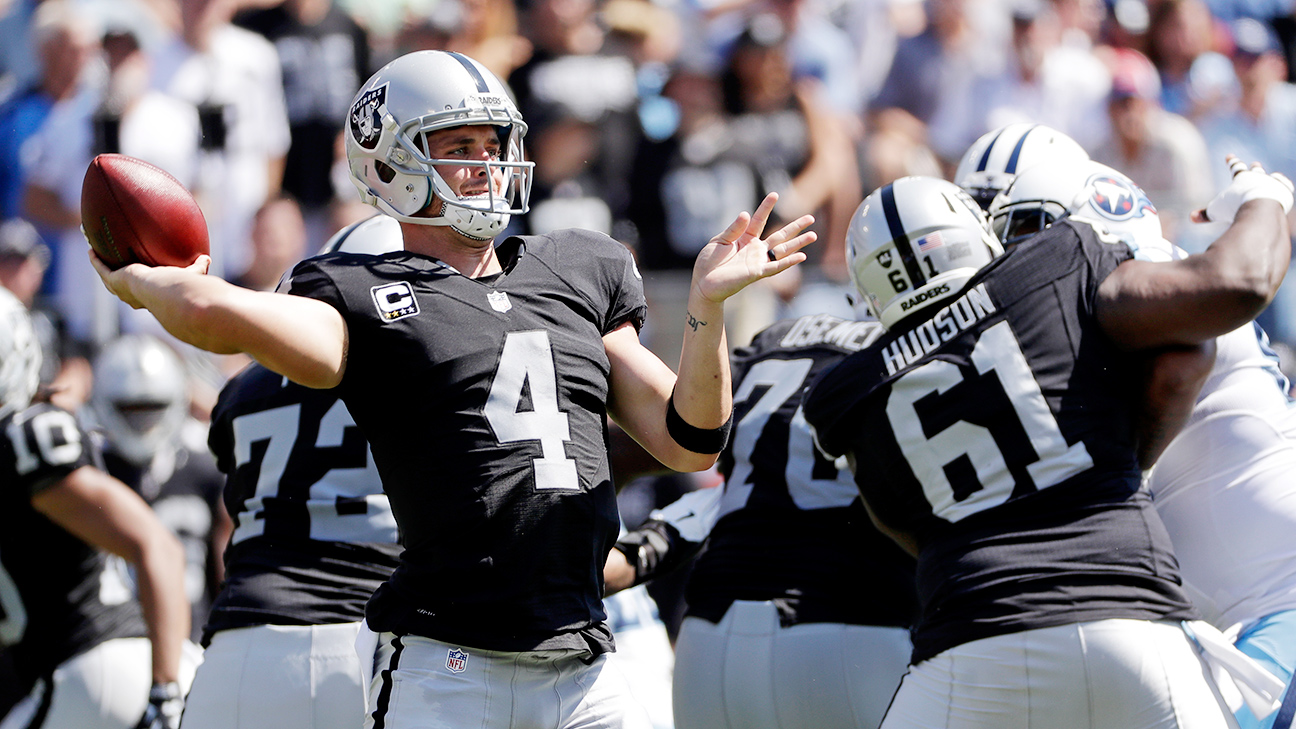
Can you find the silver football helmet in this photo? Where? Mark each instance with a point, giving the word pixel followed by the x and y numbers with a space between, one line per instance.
pixel 998 156
pixel 20 355
pixel 915 242
pixel 1088 191
pixel 140 396
pixel 387 154
pixel 372 236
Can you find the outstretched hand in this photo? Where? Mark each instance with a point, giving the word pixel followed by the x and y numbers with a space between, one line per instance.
pixel 118 281
pixel 1248 183
pixel 739 255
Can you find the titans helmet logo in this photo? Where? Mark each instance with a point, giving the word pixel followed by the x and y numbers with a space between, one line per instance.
pixel 1118 199
pixel 366 117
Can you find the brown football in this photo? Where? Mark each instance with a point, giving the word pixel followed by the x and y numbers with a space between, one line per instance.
pixel 132 211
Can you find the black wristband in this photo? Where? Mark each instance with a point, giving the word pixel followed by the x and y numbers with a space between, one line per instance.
pixel 698 440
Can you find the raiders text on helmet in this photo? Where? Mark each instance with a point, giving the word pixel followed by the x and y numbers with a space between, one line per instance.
pixel 914 242
pixel 387 155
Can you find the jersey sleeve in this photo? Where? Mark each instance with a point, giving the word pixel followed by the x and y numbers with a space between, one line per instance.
pixel 42 445
pixel 615 276
pixel 309 279
pixel 1102 255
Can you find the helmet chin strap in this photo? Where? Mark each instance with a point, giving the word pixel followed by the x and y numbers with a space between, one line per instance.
pixel 475 224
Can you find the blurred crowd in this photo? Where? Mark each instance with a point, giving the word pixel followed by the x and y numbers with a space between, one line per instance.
pixel 655 121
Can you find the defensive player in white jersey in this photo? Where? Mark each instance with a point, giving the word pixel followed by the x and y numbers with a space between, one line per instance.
pixel 1224 485
pixel 992 430
pixel 482 373
pixel 88 653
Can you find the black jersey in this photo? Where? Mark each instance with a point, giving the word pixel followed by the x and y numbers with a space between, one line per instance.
pixel 183 487
pixel 58 595
pixel 485 402
pixel 792 528
pixel 314 534
pixel 1000 433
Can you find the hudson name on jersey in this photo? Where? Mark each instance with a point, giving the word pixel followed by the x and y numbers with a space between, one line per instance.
pixel 1002 423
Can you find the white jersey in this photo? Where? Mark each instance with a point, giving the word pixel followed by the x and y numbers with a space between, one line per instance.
pixel 1226 486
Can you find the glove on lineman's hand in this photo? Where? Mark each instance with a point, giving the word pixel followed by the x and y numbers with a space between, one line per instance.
pixel 164 707
pixel 1249 183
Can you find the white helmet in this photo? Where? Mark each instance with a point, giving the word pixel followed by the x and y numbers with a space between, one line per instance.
pixel 1090 191
pixel 386 152
pixel 140 396
pixel 993 160
pixel 20 355
pixel 372 236
pixel 914 242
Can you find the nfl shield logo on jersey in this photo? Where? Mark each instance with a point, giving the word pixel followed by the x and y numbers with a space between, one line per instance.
pixel 499 301
pixel 456 660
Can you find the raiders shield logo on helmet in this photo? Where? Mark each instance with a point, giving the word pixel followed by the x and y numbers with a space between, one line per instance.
pixel 366 117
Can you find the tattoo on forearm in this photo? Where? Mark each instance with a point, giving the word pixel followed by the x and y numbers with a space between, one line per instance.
pixel 693 321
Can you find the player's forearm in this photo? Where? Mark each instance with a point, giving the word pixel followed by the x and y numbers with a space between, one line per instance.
pixel 703 391
pixel 703 396
pixel 1250 259
pixel 1175 377
pixel 302 339
pixel 192 307
pixel 166 610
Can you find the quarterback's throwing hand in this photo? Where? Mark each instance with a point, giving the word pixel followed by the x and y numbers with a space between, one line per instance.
pixel 118 281
pixel 1249 183
pixel 739 255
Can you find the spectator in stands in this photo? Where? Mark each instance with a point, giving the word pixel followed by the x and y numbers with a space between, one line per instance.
pixel 67 43
pixel 483 29
pixel 1262 126
pixel 324 54
pixel 1064 87
pixel 278 242
pixel 1180 44
pixel 125 116
pixel 1162 152
pixel 233 77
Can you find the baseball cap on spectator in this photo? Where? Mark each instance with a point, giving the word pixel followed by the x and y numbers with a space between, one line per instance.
pixel 18 239
pixel 1253 38
pixel 1134 76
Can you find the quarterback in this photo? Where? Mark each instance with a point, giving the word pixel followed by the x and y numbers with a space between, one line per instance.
pixel 481 372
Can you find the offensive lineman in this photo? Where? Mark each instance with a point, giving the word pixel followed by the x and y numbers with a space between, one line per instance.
pixel 90 655
pixel 314 538
pixel 992 434
pixel 482 375
pixel 1224 485
pixel 796 588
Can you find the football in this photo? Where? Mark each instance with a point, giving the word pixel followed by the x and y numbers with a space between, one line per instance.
pixel 135 212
